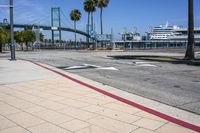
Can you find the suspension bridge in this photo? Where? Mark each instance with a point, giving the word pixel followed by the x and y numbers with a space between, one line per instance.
pixel 56 26
pixel 43 27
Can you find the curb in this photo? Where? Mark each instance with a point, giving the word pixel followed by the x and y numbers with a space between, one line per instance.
pixel 141 107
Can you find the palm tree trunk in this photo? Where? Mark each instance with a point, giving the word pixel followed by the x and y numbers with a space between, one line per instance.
pixel 75 31
pixel 92 27
pixel 88 30
pixel 190 47
pixel 101 19
pixel 92 22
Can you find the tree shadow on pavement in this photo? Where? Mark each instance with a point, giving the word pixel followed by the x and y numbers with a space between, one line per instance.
pixel 167 59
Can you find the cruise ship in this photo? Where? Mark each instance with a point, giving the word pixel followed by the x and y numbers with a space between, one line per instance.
pixel 166 32
pixel 163 32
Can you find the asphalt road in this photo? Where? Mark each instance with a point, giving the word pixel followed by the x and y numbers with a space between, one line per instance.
pixel 177 85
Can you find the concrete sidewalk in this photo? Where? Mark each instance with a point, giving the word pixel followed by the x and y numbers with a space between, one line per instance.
pixel 34 99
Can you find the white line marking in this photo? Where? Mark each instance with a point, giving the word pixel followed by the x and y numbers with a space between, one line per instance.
pixel 108 68
pixel 147 65
pixel 85 66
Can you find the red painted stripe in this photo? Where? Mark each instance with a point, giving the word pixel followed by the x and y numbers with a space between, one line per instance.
pixel 146 109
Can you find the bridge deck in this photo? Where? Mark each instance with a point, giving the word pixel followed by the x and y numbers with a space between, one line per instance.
pixel 46 28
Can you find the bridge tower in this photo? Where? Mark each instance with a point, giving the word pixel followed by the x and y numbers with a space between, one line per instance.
pixel 56 24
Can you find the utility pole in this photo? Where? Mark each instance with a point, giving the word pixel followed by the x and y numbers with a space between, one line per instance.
pixel 12 32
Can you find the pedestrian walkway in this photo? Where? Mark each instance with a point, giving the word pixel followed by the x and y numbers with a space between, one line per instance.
pixel 36 100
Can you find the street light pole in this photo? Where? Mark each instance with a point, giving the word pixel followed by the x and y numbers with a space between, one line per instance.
pixel 12 32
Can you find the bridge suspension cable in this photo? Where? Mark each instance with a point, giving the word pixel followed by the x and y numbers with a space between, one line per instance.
pixel 42 19
pixel 67 20
pixel 63 23
pixel 35 21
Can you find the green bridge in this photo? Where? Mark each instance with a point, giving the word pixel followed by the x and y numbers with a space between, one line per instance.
pixel 45 28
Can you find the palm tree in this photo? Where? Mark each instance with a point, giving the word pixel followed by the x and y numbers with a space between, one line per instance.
pixel 93 9
pixel 87 9
pixel 90 8
pixel 102 4
pixel 75 16
pixel 190 48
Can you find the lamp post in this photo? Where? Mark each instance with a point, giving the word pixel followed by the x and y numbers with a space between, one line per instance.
pixel 12 32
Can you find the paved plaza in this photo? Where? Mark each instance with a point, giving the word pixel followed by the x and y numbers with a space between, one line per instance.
pixel 89 67
pixel 36 100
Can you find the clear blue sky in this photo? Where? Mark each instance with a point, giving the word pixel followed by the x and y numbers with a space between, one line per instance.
pixel 119 14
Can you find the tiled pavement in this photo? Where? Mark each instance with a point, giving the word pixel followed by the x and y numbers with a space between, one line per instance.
pixel 59 105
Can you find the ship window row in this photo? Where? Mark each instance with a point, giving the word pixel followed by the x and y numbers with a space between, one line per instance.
pixel 162 29
pixel 161 35
pixel 161 32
